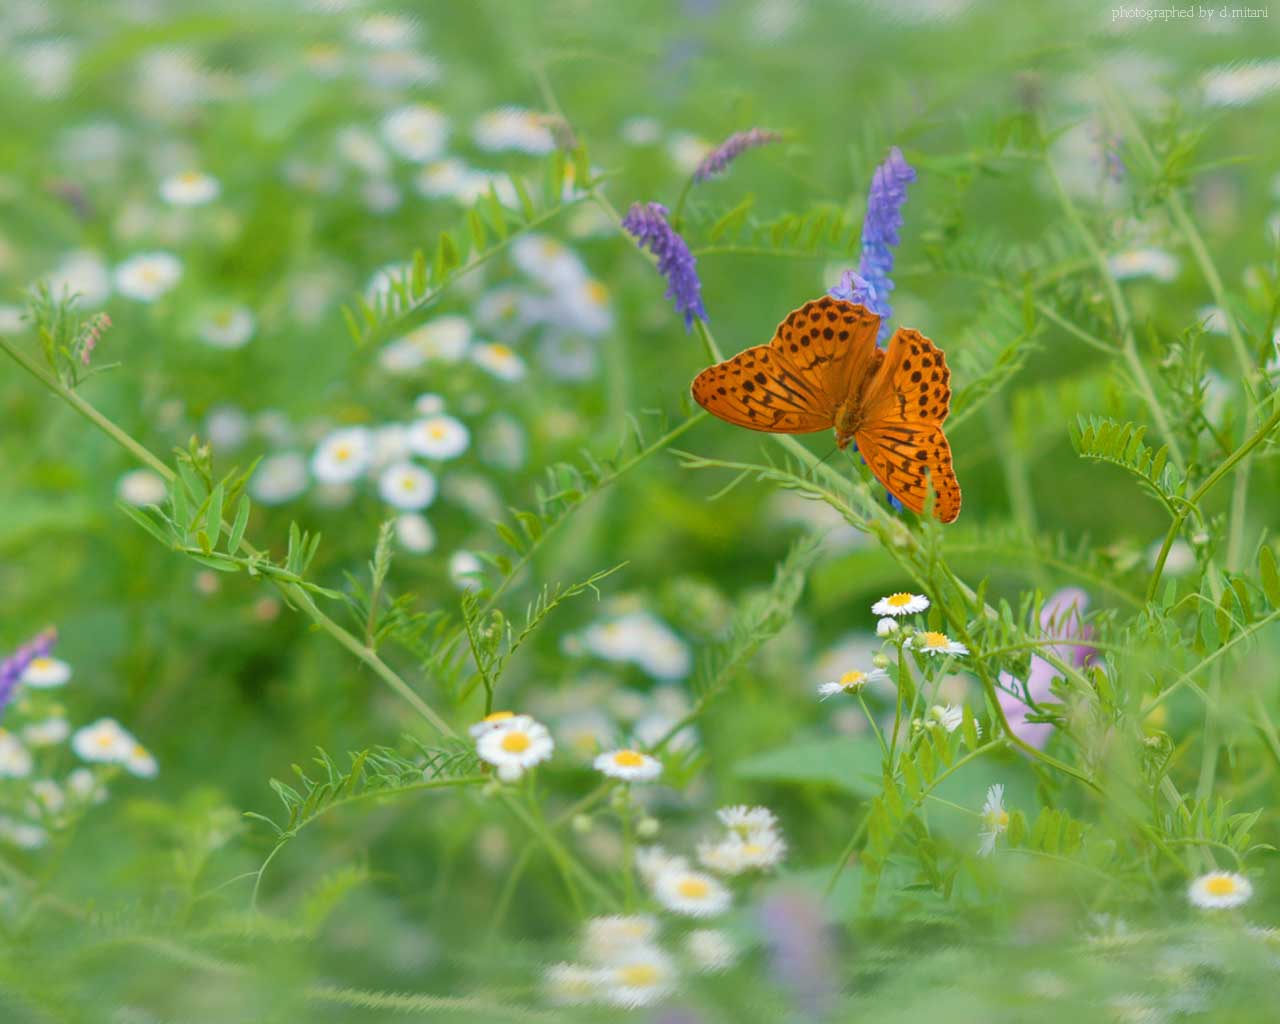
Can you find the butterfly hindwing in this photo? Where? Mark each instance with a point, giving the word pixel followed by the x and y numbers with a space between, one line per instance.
pixel 901 434
pixel 794 384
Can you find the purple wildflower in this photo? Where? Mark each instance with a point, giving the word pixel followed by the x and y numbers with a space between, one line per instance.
pixel 729 150
pixel 11 668
pixel 1061 618
pixel 800 950
pixel 647 223
pixel 870 284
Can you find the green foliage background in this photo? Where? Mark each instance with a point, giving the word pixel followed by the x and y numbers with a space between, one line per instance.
pixel 154 907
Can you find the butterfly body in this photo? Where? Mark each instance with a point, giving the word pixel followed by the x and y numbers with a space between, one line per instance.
pixel 823 371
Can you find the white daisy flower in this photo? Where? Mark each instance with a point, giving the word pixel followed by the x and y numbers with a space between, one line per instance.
pixel 641 131
pixel 416 132
pixel 400 69
pixel 584 308
pixel 84 785
pixel 83 274
pixel 380 195
pixel 572 984
pixel 735 855
pixel 360 148
pixel 279 478
pixel 516 747
pixel 628 765
pixel 390 445
pixel 46 732
pixel 227 427
pixel 445 339
pixel 44 673
pixel 141 487
pixel 428 404
pixel 643 639
pixel 498 360
pixel 691 893
pixel 654 861
pixel 47 798
pixel 148 276
pixel 1214 319
pixel 510 128
pixel 938 643
pixel 687 151
pixel 438 437
pixel 385 30
pixel 343 456
pixel 140 762
pixel 852 681
pixel 1220 889
pixel 407 486
pixel 415 533
pixel 948 716
pixel 608 939
pixel 105 740
pixel 15 759
pixel 1237 85
pixel 227 327
pixel 441 179
pixel 886 627
pixel 191 188
pixel 490 722
pixel 900 604
pixel 995 820
pixel 710 950
pixel 466 571
pixel 1145 262
pixel 747 821
pixel 23 834
pixel 549 262
pixel 642 979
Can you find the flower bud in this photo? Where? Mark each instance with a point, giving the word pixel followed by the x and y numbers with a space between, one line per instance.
pixel 881 660
pixel 647 827
pixel 886 627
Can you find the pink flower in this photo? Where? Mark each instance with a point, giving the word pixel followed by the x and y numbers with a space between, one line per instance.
pixel 1061 618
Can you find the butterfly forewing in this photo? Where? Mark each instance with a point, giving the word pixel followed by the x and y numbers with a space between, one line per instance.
pixel 901 435
pixel 794 384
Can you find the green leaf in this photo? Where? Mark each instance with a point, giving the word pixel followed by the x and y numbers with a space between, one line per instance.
pixel 140 517
pixel 1270 576
pixel 849 764
pixel 238 527
pixel 213 516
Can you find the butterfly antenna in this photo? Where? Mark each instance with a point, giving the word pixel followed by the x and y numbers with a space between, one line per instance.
pixel 814 467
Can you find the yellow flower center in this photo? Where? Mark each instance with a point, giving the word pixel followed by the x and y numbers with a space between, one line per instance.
pixel 1220 885
pixel 499 716
pixel 40 664
pixel 931 639
pixel 104 740
pixel 150 274
pixel 628 759
pixel 900 600
pixel 437 432
pixel 693 888
pixel 597 293
pixel 852 678
pixel 516 742
pixel 639 975
pixel 501 352
pixel 551 249
pixel 752 849
pixel 190 177
pixel 342 452
pixel 408 483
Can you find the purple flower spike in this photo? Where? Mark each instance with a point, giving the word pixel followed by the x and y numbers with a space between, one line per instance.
pixel 647 223
pixel 871 284
pixel 724 154
pixel 1061 618
pixel 12 667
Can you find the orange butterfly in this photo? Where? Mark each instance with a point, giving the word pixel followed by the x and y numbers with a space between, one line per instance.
pixel 823 370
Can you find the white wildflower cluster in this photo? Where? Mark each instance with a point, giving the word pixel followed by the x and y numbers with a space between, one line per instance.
pixel 751 842
pixel 59 770
pixel 512 743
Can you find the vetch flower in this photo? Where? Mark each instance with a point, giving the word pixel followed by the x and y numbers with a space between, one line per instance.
pixel 438 437
pixel 628 765
pixel 191 188
pixel 691 893
pixel 931 642
pixel 516 747
pixel 406 486
pixel 1220 890
pixel 900 604
pixel 343 456
pixel 871 284
pixel 995 820
pixel 1061 618
pixel 14 669
pixel 852 681
pixel 647 223
pixel 148 276
pixel 734 146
